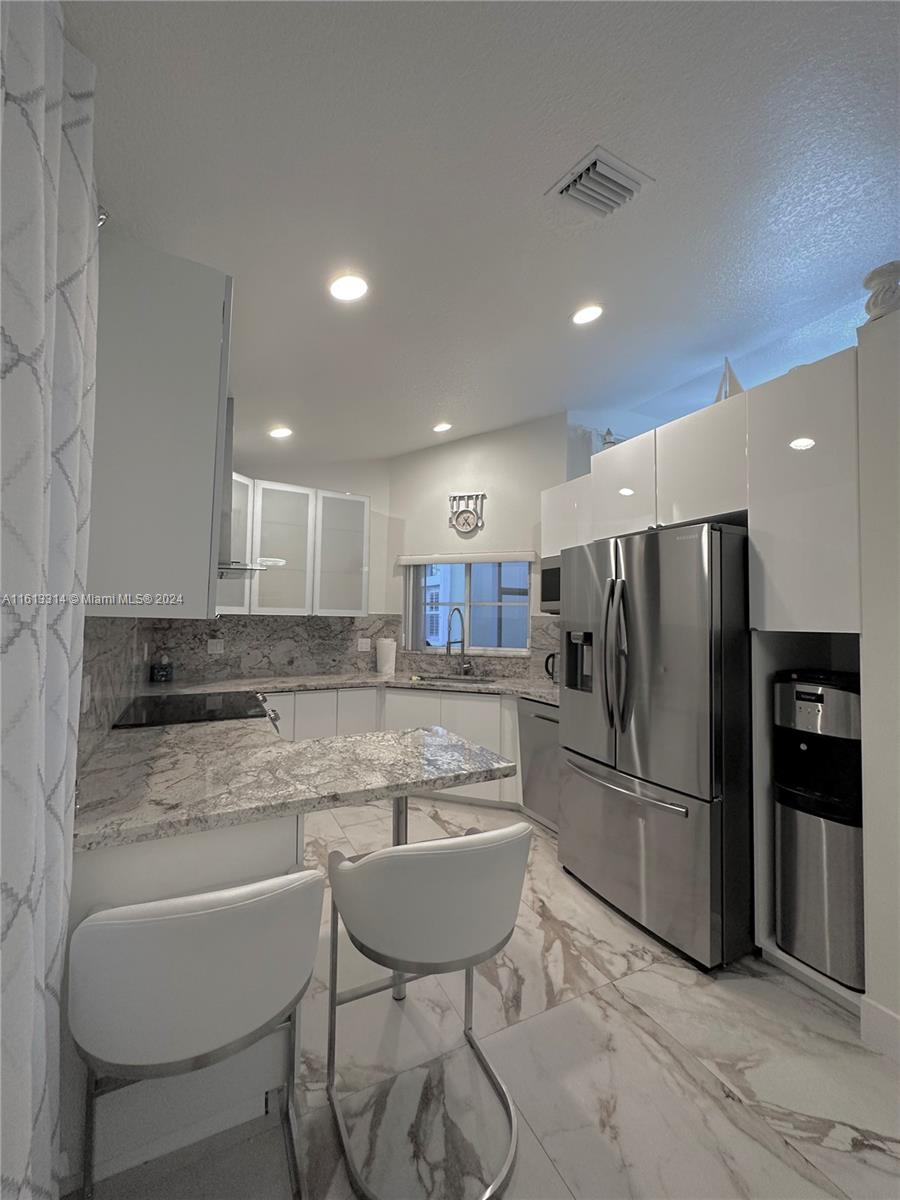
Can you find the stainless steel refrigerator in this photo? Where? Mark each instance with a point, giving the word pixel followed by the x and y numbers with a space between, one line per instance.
pixel 655 808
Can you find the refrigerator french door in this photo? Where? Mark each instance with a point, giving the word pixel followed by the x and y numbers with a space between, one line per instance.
pixel 654 706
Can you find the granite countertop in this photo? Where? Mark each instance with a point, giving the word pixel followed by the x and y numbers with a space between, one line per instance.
pixel 544 691
pixel 145 784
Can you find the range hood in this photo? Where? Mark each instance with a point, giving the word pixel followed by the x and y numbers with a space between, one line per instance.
pixel 228 566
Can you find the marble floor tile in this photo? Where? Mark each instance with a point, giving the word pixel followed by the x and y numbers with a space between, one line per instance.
pixel 455 818
pixel 794 1056
pixel 350 814
pixel 435 1132
pixel 322 824
pixel 316 850
pixel 624 1111
pixel 375 835
pixel 376 1037
pixel 249 1161
pixel 550 958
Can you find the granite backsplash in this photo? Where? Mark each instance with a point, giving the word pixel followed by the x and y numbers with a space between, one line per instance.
pixel 113 669
pixel 267 645
pixel 255 646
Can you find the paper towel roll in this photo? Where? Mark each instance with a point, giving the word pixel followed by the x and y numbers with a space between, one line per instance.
pixel 385 656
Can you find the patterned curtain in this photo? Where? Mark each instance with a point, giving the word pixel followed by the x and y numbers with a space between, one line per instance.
pixel 48 306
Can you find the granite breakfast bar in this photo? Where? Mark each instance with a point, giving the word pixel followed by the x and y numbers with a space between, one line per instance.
pixel 176 809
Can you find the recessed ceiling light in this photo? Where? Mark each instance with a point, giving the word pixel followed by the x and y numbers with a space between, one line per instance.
pixel 585 315
pixel 442 427
pixel 280 431
pixel 348 287
pixel 626 491
pixel 804 443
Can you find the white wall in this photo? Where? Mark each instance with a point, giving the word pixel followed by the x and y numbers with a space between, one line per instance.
pixel 409 505
pixel 879 468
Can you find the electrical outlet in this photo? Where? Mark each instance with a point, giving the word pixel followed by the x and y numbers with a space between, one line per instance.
pixel 85 693
pixel 215 646
pixel 364 643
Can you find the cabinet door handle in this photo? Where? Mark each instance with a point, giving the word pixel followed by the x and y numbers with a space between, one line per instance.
pixel 676 808
pixel 541 717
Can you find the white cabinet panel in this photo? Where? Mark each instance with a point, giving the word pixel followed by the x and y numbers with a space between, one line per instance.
pixel 804 504
pixel 623 487
pixel 315 715
pixel 565 516
pixel 281 709
pixel 476 718
pixel 284 522
pixel 410 708
pixel 342 555
pixel 159 431
pixel 357 710
pixel 233 593
pixel 701 463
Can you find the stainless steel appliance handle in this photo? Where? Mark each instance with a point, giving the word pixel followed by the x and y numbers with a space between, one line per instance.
pixel 620 642
pixel 541 717
pixel 676 808
pixel 607 696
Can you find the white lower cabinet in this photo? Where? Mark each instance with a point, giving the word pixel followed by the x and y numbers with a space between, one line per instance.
pixel 411 708
pixel 315 715
pixel 357 710
pixel 281 710
pixel 476 718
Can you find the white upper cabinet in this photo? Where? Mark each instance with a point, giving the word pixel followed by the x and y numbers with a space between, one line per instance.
pixel 701 463
pixel 159 430
pixel 342 555
pixel 804 503
pixel 565 516
pixel 623 487
pixel 284 522
pixel 233 594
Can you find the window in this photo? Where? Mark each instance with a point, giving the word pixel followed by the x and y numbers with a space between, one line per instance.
pixel 492 596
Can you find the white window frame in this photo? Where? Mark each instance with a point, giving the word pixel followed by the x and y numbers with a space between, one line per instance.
pixel 411 615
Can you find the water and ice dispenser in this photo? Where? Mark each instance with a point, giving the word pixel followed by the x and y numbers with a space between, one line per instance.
pixel 818 822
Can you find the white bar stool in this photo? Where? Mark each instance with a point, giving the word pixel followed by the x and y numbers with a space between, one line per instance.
pixel 171 986
pixel 421 909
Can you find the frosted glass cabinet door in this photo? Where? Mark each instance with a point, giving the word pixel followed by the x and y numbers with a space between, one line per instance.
pixel 284 517
pixel 233 592
pixel 342 555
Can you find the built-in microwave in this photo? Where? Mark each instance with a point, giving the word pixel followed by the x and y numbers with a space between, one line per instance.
pixel 550 577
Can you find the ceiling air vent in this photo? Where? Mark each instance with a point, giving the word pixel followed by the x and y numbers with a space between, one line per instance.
pixel 601 181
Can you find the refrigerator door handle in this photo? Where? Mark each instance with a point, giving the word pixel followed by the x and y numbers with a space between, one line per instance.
pixel 619 644
pixel 608 642
pixel 676 808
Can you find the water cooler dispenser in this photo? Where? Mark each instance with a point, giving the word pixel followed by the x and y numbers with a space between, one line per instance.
pixel 818 822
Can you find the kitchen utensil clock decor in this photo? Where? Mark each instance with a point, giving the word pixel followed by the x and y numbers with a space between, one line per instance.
pixel 467 511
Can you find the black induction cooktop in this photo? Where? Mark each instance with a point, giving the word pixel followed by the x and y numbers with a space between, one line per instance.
pixel 188 707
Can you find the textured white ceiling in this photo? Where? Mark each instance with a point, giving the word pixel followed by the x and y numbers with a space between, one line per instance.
pixel 414 142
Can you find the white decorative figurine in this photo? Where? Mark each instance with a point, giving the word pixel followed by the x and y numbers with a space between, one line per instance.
pixel 884 284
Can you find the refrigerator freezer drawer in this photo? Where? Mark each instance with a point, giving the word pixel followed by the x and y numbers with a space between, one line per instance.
pixel 654 854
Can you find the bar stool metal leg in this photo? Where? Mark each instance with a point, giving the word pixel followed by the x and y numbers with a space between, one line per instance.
pixel 87 1153
pixel 498 1184
pixel 290 1144
pixel 401 837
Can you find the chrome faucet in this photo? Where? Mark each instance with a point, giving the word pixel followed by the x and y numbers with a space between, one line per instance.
pixel 464 667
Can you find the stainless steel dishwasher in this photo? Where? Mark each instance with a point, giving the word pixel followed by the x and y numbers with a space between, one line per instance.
pixel 539 751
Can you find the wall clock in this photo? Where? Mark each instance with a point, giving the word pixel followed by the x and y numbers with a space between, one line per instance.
pixel 467 511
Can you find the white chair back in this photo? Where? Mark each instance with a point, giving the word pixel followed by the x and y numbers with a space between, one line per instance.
pixel 153 986
pixel 434 906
